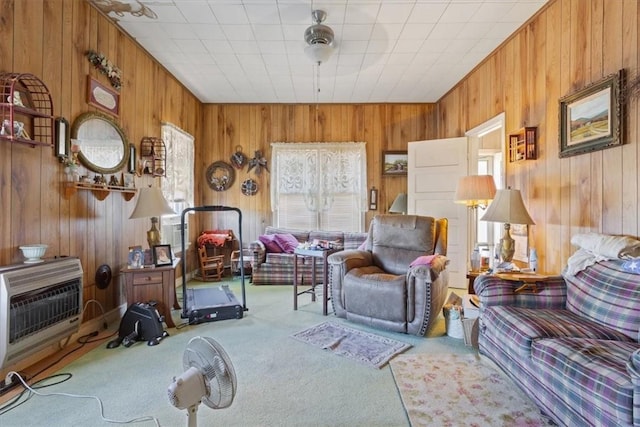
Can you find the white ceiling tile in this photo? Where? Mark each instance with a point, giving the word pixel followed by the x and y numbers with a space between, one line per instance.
pixel 231 51
pixel 196 12
pixel 230 14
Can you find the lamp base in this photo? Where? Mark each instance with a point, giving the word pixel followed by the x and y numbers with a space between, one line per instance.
pixel 153 235
pixel 507 245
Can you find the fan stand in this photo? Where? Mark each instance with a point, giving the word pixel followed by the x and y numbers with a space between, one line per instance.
pixel 192 415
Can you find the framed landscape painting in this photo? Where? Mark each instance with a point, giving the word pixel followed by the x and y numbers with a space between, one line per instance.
pixel 394 163
pixel 592 118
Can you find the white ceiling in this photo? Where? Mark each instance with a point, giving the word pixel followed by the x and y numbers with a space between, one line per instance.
pixel 252 51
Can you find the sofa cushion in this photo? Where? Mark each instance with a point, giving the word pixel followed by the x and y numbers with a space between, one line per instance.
pixel 517 328
pixel 606 294
pixel 280 259
pixel 287 242
pixel 590 375
pixel 270 244
pixel 370 292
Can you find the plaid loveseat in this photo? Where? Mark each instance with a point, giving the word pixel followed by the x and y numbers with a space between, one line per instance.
pixel 277 268
pixel 573 347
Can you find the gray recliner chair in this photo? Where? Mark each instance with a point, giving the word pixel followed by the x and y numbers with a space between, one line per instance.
pixel 377 286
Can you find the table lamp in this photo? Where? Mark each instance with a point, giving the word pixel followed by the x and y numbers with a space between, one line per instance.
pixel 507 207
pixel 399 205
pixel 151 203
pixel 475 191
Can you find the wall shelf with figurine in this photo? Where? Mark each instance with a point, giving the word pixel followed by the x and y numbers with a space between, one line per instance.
pixel 26 110
pixel 153 156
pixel 100 191
pixel 522 144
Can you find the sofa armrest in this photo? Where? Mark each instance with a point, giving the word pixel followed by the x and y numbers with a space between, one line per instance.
pixel 427 290
pixel 339 264
pixel 258 253
pixel 492 290
pixel 633 368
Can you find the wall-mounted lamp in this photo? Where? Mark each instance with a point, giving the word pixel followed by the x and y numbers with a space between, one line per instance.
pixel 399 204
pixel 373 199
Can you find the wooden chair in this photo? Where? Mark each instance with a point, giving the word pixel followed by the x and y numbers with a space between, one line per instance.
pixel 211 267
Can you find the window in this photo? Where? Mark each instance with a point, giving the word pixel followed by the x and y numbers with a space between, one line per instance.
pixel 177 187
pixel 319 186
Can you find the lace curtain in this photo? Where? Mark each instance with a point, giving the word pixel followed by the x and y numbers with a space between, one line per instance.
pixel 319 185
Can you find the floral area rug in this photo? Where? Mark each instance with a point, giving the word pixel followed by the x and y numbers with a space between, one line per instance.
pixel 461 390
pixel 370 349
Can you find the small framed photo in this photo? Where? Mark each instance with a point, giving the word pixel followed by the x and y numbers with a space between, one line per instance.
pixel 136 257
pixel 102 97
pixel 148 258
pixel 395 163
pixel 162 255
pixel 592 118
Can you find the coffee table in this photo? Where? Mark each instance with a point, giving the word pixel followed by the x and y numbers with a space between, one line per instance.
pixel 312 254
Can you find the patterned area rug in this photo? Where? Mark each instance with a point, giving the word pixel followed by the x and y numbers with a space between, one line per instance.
pixel 370 349
pixel 461 390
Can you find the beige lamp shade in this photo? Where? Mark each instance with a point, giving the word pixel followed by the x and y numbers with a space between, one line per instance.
pixel 151 203
pixel 475 190
pixel 508 207
pixel 399 205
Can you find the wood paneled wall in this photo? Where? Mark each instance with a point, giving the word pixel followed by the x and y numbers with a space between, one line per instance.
pixel 254 127
pixel 49 38
pixel 569 45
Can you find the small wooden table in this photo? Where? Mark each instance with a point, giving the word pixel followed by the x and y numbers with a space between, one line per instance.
pixel 528 280
pixel 153 284
pixel 312 254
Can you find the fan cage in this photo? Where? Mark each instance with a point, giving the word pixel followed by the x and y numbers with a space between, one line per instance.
pixel 214 363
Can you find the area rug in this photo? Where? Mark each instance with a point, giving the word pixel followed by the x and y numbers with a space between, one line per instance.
pixel 461 390
pixel 370 349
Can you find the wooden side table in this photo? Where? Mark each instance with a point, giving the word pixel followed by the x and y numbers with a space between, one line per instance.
pixel 471 276
pixel 527 280
pixel 153 284
pixel 312 254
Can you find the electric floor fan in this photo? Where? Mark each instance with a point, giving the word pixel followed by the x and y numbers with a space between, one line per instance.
pixel 208 378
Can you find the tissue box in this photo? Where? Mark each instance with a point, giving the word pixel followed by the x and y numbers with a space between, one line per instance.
pixel 471 309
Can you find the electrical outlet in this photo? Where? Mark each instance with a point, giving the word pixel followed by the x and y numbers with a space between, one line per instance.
pixel 5 386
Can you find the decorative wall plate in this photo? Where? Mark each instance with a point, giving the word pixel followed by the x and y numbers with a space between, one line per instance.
pixel 249 187
pixel 220 175
pixel 103 276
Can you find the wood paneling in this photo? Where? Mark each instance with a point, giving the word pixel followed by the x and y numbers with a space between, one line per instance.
pixel 49 38
pixel 568 45
pixel 255 127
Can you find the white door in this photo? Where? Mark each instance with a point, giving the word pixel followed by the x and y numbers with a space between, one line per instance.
pixel 435 167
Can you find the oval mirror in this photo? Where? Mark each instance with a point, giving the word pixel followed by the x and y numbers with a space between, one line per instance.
pixel 103 147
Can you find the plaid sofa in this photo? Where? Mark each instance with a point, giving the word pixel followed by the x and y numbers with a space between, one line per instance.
pixel 573 347
pixel 277 268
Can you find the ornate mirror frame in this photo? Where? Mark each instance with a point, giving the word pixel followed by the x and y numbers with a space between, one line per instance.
pixel 90 125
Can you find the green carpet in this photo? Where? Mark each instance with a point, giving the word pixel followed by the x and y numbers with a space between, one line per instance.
pixel 281 381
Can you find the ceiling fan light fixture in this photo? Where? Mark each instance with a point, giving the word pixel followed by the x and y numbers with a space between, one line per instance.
pixel 318 52
pixel 319 38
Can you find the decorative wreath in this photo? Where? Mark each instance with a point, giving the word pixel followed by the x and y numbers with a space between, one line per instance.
pixel 249 187
pixel 220 175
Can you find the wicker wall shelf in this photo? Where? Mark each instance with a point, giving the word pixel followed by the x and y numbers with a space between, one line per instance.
pixel 99 191
pixel 26 110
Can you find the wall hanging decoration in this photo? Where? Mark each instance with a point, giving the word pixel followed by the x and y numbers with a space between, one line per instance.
pixel 62 139
pixel 394 163
pixel 220 175
pixel 102 97
pixel 249 187
pixel 105 66
pixel 238 159
pixel 373 199
pixel 153 156
pixel 592 118
pixel 258 162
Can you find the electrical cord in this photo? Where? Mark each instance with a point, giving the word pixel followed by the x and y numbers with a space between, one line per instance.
pixel 83 340
pixel 80 396
pixel 104 319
